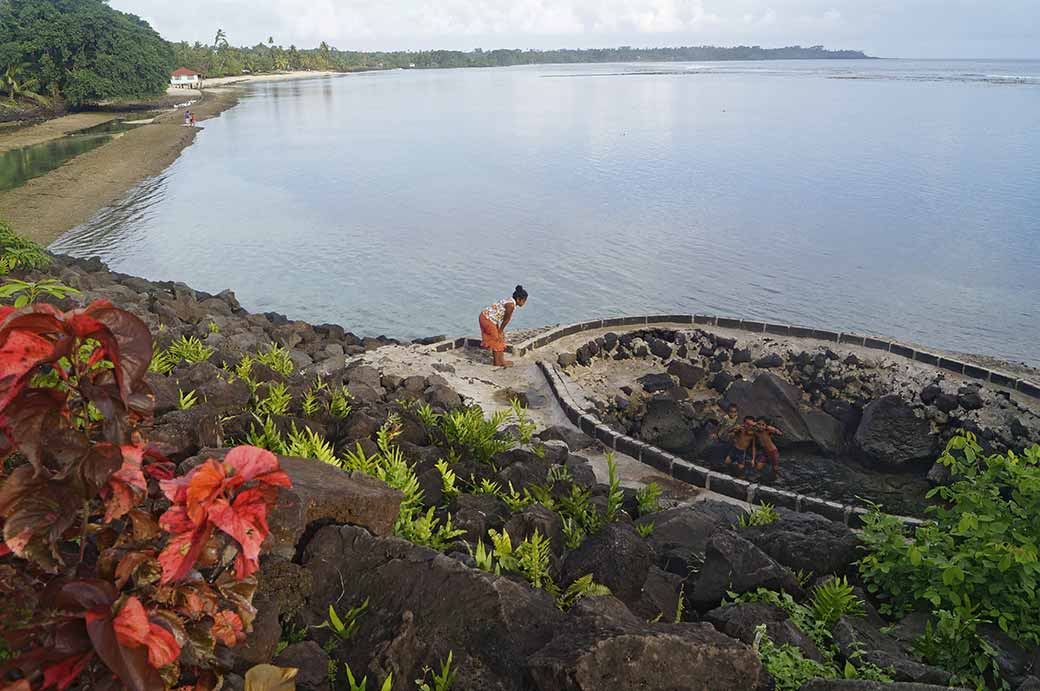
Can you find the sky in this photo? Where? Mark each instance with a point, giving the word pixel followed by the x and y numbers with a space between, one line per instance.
pixel 885 28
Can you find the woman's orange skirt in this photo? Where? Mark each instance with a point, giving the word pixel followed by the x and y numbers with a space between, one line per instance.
pixel 491 337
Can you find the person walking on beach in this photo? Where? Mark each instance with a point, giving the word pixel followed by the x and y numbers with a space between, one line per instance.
pixel 187 118
pixel 193 119
pixel 493 322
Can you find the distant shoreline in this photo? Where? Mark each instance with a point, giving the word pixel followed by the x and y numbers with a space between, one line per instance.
pixel 45 207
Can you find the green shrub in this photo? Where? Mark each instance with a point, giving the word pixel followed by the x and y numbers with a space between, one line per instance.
pixel 277 358
pixel 646 498
pixel 834 599
pixel 28 292
pixel 189 349
pixel 277 400
pixel 974 561
pixel 763 514
pixel 442 681
pixel 18 253
pixel 187 400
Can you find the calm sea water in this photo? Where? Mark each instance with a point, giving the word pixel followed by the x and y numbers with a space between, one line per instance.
pixel 894 197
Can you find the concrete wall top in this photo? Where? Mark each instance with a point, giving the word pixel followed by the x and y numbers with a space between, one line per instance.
pixel 996 377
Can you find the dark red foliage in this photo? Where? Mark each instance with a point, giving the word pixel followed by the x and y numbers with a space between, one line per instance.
pixel 116 581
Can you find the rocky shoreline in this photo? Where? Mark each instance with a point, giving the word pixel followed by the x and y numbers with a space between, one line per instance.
pixel 683 569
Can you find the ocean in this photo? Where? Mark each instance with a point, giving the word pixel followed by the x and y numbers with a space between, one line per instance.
pixel 891 197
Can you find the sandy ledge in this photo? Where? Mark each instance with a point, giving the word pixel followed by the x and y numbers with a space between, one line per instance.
pixel 46 207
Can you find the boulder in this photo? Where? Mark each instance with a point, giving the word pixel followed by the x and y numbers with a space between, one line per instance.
pixel 740 356
pixel 616 557
pixel 970 400
pixel 862 638
pixel 601 647
pixel 664 425
pixel 312 663
pixel 322 493
pixel 681 535
pixel 660 597
pixel 770 361
pixel 863 685
pixel 733 564
pixel 567 359
pixel 423 604
pixel 524 523
pixel 652 383
pixel 891 434
pixel 740 621
pixel 575 439
pixel 181 433
pixel 721 381
pixel 660 349
pixel 769 396
pixel 477 514
pixel 443 397
pixel 687 374
pixel 807 542
pixel 946 402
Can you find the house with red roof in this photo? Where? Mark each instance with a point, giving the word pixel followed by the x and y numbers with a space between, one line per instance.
pixel 184 78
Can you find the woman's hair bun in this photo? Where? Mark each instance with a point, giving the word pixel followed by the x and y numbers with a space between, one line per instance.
pixel 519 288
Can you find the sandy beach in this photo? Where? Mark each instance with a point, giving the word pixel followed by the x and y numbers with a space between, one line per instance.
pixel 47 206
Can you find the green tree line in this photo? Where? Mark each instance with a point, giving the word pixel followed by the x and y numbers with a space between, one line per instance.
pixel 84 52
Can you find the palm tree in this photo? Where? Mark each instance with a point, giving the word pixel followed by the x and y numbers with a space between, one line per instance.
pixel 20 89
pixel 220 41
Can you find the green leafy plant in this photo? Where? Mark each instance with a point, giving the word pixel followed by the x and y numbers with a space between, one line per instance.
pixel 354 685
pixel 162 362
pixel 645 529
pixel 310 404
pixel 581 587
pixel 277 400
pixel 573 532
pixel 341 403
pixel 28 292
pixel 615 497
pixel 189 349
pixel 18 253
pixel 680 605
pixel 834 599
pixel 277 358
pixel 267 436
pixel 786 664
pixel 187 400
pixel 646 498
pixel 484 558
pixel 426 529
pixel 763 514
pixel 952 641
pixel 213 328
pixel 307 443
pixel 486 487
pixel 346 625
pixel 448 479
pixel 515 500
pixel 442 681
pixel 526 428
pixel 975 560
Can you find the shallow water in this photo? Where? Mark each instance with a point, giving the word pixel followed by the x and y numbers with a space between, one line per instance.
pixel 18 166
pixel 892 197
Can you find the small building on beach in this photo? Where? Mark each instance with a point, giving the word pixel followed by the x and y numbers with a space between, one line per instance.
pixel 184 78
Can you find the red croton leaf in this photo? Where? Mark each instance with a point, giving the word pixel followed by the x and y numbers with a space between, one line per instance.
pixel 126 339
pixel 36 513
pixel 182 551
pixel 29 337
pixel 250 463
pixel 62 674
pixel 205 485
pixel 227 628
pixel 20 685
pixel 127 486
pixel 246 521
pixel 29 415
pixel 133 628
pixel 129 663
